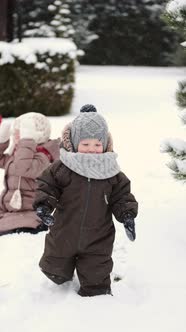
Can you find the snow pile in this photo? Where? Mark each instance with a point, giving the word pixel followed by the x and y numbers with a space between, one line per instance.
pixel 28 49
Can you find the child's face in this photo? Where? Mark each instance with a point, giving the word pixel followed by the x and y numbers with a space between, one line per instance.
pixel 91 145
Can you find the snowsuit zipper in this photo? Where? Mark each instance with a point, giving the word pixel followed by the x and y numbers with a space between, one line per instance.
pixel 85 213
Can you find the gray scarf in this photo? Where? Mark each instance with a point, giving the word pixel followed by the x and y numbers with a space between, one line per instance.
pixel 91 165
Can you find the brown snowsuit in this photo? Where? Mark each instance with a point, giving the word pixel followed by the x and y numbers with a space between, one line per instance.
pixel 28 163
pixel 83 233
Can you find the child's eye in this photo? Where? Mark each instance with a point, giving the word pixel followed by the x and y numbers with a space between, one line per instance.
pixel 85 144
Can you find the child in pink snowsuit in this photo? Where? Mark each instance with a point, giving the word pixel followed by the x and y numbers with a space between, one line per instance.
pixel 29 152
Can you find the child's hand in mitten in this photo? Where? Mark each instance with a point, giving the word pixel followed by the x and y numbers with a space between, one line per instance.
pixel 44 213
pixel 4 132
pixel 129 224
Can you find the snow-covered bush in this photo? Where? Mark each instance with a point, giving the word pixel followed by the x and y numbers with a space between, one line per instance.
pixel 176 13
pixel 176 16
pixel 37 75
pixel 177 150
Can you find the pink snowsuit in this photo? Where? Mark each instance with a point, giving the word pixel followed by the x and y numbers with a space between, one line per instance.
pixel 24 165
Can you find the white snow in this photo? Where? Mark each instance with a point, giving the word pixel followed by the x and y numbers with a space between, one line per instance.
pixel 139 105
pixel 181 164
pixel 176 144
pixel 27 49
pixel 55 23
pixel 51 7
pixel 176 5
pixel 64 11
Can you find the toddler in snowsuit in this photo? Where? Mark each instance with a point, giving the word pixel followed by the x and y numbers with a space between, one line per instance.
pixel 25 151
pixel 82 190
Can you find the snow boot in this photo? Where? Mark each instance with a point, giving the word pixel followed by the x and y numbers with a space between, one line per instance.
pixel 56 279
pixel 94 290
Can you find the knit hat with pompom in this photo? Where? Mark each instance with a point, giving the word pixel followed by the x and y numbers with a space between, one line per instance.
pixel 89 125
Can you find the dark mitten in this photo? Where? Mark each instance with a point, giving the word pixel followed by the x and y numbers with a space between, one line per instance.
pixel 44 213
pixel 129 224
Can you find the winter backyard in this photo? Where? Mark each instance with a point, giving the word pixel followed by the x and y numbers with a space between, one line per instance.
pixel 150 296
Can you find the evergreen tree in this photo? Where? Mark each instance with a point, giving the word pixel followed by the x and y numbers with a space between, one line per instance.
pixel 122 32
pixel 82 13
pixel 61 25
pixel 46 18
pixel 35 18
pixel 176 17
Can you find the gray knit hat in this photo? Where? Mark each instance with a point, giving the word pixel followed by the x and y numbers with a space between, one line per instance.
pixel 89 124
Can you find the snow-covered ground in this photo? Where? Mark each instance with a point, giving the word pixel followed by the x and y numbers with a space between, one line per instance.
pixel 140 108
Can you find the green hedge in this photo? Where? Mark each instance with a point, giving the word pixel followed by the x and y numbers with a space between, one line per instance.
pixel 29 88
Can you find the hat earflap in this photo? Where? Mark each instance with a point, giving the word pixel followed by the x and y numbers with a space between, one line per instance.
pixel 66 138
pixel 109 143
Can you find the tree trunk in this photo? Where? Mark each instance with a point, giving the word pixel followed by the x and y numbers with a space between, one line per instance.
pixel 19 19
pixel 10 20
pixel 3 19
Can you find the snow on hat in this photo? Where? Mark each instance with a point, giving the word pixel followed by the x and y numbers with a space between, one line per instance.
pixel 89 124
pixel 42 127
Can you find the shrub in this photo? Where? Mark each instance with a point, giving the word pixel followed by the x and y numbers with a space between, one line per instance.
pixel 37 75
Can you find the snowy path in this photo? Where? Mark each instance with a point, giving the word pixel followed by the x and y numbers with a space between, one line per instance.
pixel 151 297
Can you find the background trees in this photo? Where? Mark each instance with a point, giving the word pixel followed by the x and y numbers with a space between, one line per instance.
pixel 123 32
pixel 116 32
pixel 176 17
